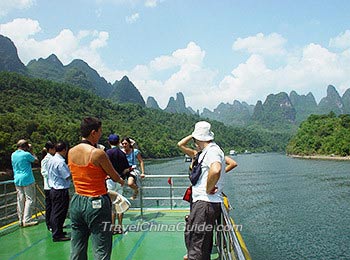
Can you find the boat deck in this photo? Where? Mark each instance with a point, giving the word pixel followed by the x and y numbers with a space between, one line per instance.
pixel 158 235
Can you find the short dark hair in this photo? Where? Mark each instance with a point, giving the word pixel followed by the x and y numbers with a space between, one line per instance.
pixel 49 145
pixel 88 124
pixel 60 146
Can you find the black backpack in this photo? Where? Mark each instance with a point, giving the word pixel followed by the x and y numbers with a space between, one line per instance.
pixel 196 171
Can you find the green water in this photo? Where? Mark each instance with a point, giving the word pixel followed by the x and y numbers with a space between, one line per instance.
pixel 292 208
pixel 288 208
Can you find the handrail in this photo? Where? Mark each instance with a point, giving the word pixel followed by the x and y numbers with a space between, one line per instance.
pixel 229 242
pixel 170 186
pixel 9 199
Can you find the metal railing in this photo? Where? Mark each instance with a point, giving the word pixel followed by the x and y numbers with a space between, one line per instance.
pixel 171 187
pixel 8 202
pixel 229 243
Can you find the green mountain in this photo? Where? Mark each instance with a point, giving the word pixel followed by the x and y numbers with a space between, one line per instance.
pixel 303 105
pixel 346 101
pixel 124 91
pixel 50 68
pixel 233 114
pixel 277 112
pixel 41 110
pixel 80 73
pixel 178 105
pixel 152 103
pixel 332 102
pixel 77 73
pixel 322 135
pixel 9 60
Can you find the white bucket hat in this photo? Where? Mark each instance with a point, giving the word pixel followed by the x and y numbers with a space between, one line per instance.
pixel 202 131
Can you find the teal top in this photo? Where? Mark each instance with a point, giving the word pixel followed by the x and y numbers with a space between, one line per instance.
pixel 22 167
pixel 132 156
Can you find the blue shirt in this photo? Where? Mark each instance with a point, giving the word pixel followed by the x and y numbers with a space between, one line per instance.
pixel 58 173
pixel 118 159
pixel 22 167
pixel 132 156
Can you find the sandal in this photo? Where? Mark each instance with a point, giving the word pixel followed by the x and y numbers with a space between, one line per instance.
pixel 117 230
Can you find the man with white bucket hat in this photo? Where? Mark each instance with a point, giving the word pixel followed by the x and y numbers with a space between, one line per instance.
pixel 206 194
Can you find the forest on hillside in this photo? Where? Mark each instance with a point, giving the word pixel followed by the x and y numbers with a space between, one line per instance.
pixel 41 110
pixel 322 135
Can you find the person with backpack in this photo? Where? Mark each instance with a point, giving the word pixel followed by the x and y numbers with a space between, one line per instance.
pixel 206 193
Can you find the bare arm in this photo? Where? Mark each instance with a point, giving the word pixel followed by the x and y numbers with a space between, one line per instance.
pixel 142 165
pixel 230 164
pixel 182 144
pixel 213 176
pixel 100 158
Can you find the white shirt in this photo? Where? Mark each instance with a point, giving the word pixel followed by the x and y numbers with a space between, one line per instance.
pixel 211 153
pixel 44 171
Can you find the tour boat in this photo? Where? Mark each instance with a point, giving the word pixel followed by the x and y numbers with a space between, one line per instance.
pixel 153 227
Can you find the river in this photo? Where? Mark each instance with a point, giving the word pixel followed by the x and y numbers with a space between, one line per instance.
pixel 292 208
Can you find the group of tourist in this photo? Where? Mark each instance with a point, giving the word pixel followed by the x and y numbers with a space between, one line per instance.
pixel 91 169
pixel 95 171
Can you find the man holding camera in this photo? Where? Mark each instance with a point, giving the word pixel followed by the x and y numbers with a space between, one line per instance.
pixel 22 160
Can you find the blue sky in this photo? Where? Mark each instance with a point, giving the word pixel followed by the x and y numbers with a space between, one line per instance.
pixel 211 50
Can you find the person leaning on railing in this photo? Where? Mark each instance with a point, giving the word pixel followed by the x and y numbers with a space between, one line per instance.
pixel 22 160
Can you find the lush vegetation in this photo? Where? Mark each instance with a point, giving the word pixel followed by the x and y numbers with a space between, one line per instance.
pixel 41 110
pixel 322 135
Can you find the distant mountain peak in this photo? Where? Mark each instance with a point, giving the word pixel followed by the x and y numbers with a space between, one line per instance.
pixel 178 105
pixel 54 59
pixel 9 60
pixel 125 78
pixel 152 103
pixel 332 102
pixel 126 92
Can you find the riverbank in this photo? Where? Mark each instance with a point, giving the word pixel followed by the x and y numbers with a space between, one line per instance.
pixel 320 157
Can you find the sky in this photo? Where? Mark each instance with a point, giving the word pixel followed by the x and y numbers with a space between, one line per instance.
pixel 212 51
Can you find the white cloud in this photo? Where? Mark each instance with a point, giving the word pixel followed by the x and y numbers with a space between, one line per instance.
pixel 101 41
pixel 309 70
pixel 151 3
pixel 271 44
pixel 189 77
pixel 20 29
pixel 342 41
pixel 7 6
pixel 132 18
pixel 66 45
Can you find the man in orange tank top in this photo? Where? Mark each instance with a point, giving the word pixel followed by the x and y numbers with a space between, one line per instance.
pixel 90 208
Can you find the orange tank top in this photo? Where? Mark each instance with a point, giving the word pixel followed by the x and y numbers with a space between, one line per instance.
pixel 89 180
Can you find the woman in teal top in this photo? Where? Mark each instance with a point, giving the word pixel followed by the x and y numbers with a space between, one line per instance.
pixel 133 155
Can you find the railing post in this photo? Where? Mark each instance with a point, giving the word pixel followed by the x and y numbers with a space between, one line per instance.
pixel 5 192
pixel 171 195
pixel 141 197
